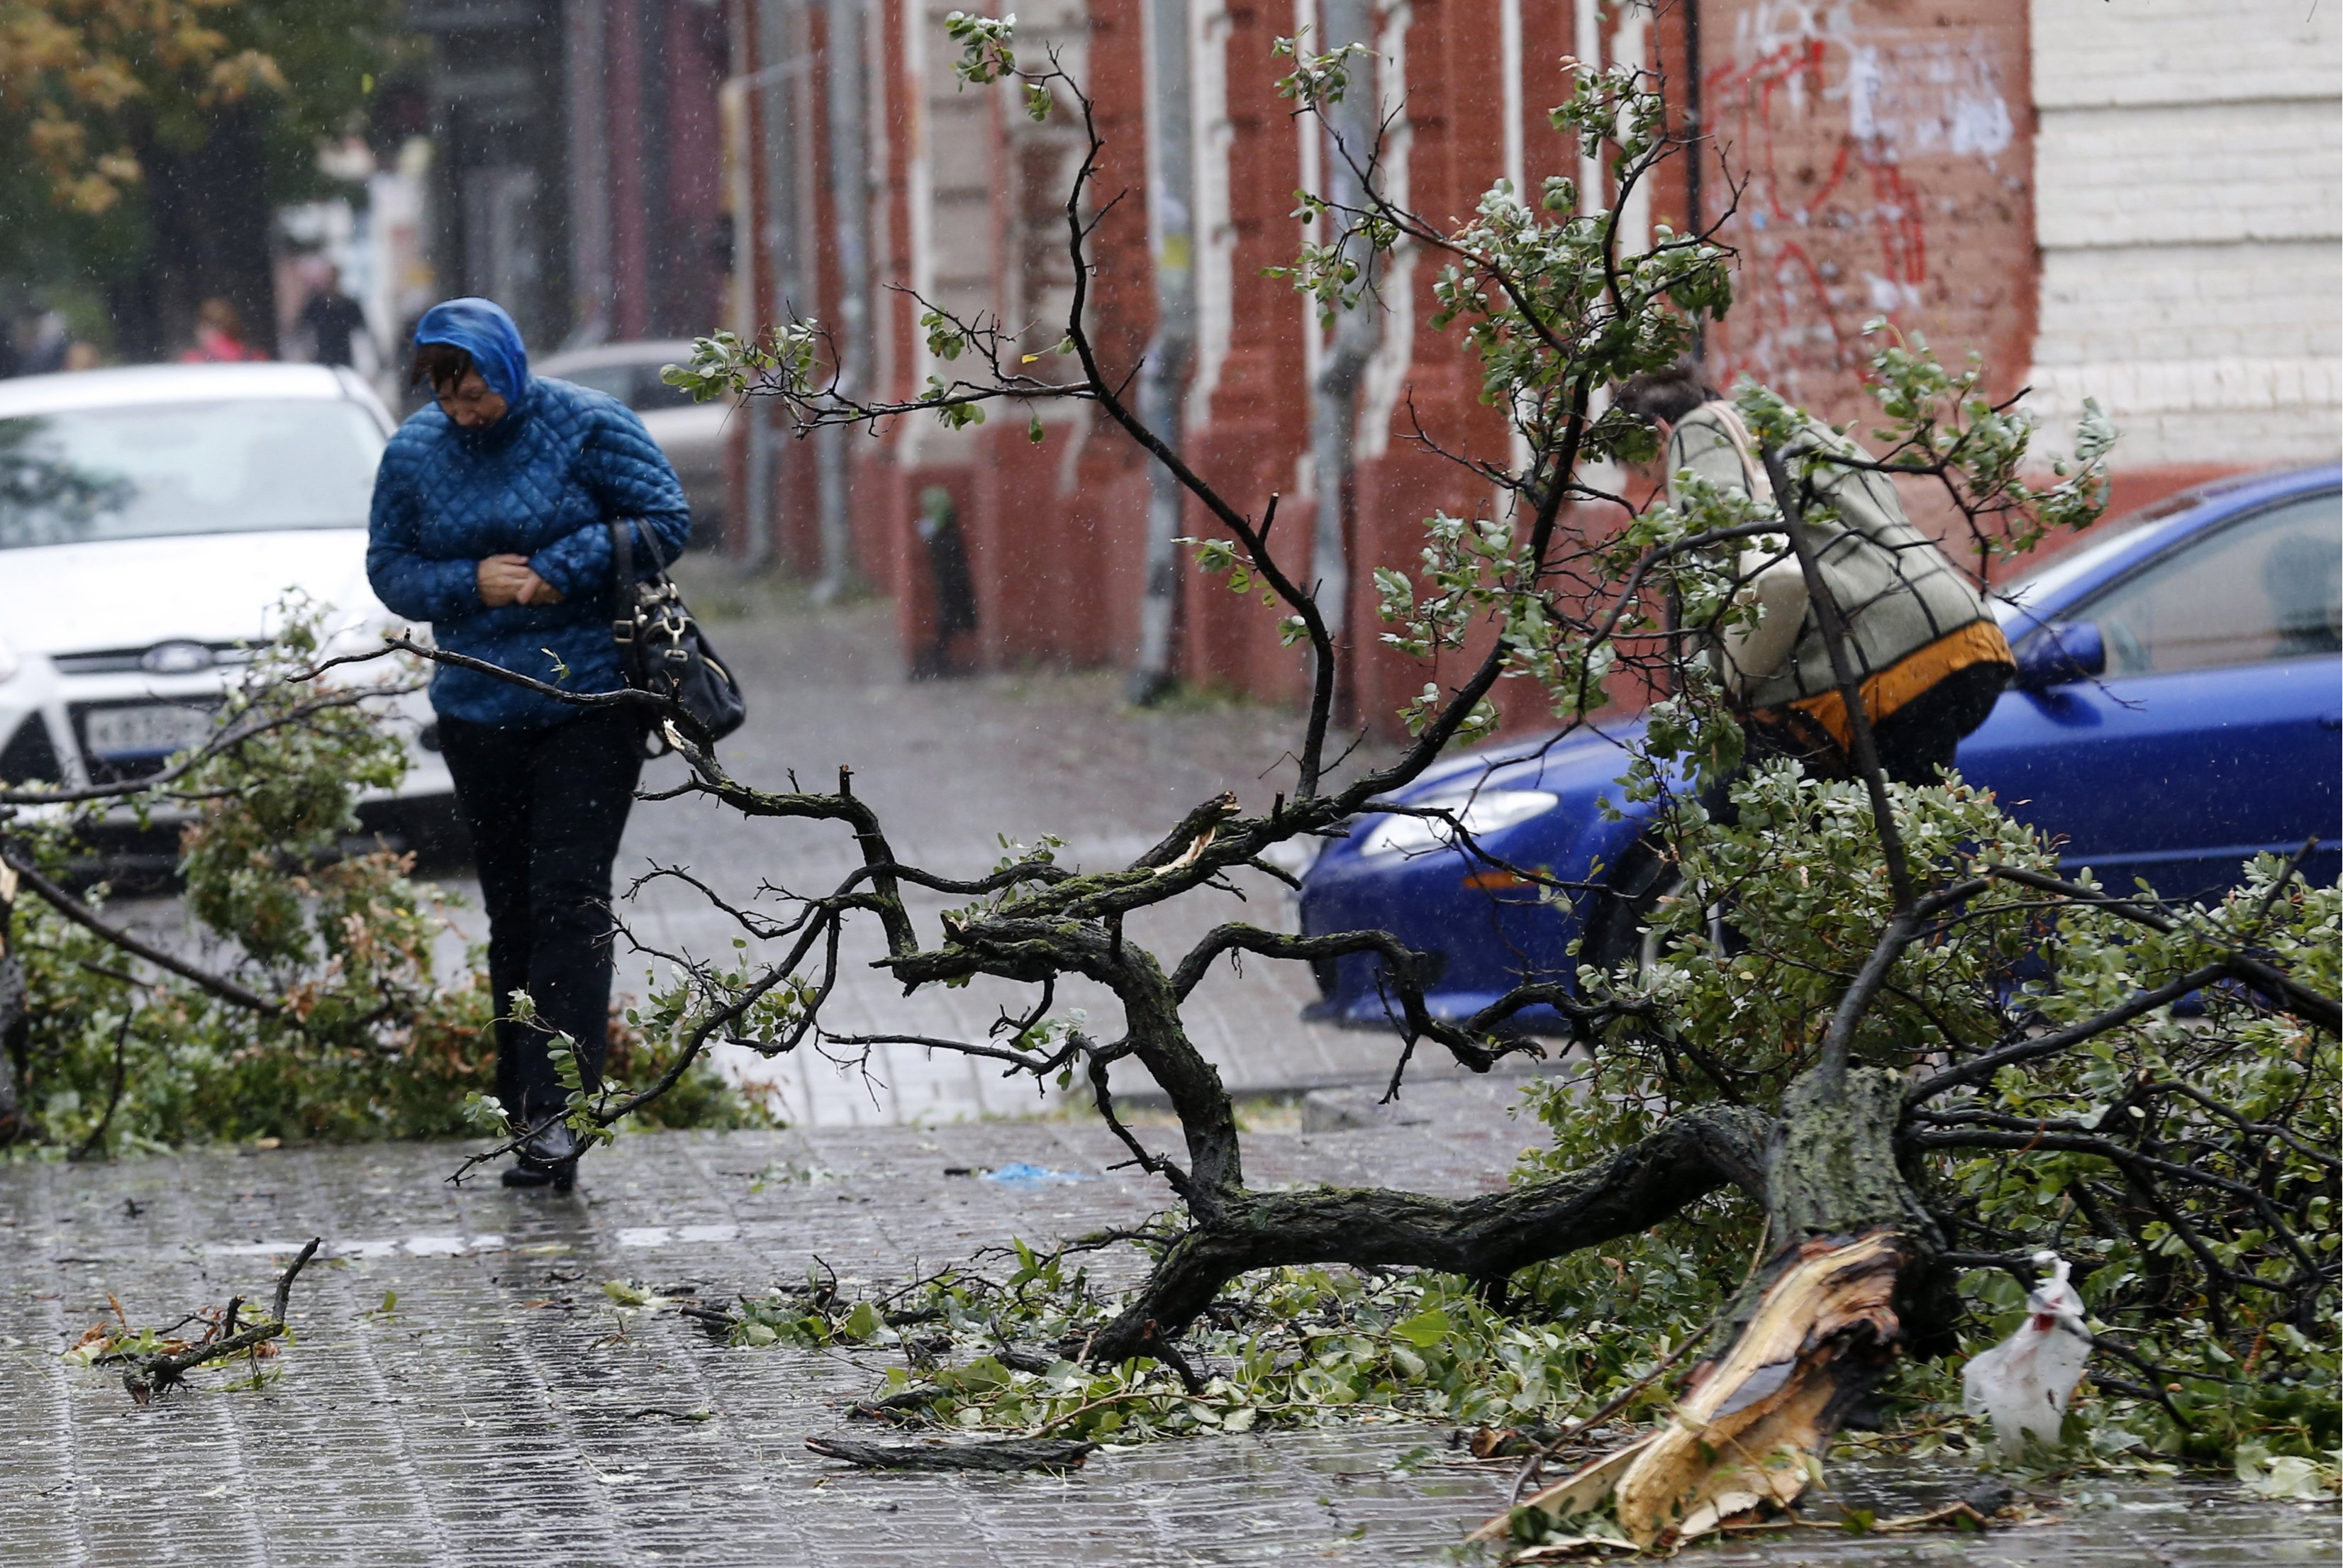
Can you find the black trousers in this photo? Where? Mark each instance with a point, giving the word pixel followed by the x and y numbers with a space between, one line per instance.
pixel 545 807
pixel 1913 742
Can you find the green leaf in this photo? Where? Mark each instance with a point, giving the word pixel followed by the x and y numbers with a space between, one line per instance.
pixel 1425 1330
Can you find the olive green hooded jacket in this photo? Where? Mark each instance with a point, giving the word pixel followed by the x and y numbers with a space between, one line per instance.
pixel 1896 591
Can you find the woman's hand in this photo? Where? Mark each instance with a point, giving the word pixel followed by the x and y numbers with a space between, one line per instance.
pixel 507 579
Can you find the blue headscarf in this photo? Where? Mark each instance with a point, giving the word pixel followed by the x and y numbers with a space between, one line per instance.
pixel 481 329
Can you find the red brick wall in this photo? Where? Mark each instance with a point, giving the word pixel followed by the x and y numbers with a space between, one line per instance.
pixel 1457 150
pixel 1883 158
pixel 1260 411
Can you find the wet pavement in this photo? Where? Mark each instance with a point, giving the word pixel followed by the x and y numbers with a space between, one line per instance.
pixel 463 1392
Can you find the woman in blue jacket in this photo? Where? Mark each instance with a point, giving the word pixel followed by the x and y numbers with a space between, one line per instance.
pixel 491 521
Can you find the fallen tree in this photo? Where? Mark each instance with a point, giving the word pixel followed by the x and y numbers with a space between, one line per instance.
pixel 301 997
pixel 1916 1050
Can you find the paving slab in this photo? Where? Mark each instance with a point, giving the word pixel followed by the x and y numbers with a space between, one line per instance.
pixel 504 1411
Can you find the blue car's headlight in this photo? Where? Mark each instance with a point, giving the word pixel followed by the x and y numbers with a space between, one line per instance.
pixel 1482 812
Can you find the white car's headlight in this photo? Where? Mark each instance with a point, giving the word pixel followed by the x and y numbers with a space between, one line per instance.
pixel 1482 812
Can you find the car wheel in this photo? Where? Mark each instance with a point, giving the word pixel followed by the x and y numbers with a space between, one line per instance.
pixel 1619 932
pixel 1617 929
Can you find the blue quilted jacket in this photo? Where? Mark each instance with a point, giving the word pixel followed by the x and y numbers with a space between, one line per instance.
pixel 543 481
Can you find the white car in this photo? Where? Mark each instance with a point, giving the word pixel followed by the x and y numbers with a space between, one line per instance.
pixel 151 519
pixel 690 433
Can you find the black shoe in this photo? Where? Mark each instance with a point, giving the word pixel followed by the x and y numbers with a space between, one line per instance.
pixel 525 1176
pixel 554 1152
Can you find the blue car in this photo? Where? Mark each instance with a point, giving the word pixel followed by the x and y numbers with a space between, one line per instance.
pixel 2179 706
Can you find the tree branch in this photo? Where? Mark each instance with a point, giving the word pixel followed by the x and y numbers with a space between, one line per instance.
pixel 82 915
pixel 1487 1237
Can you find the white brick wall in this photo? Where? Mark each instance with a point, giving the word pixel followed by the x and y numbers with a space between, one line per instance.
pixel 2140 175
pixel 2089 54
pixel 2188 173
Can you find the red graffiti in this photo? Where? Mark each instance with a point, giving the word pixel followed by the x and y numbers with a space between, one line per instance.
pixel 1821 253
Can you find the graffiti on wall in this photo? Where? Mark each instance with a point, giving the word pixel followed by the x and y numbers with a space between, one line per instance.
pixel 1875 164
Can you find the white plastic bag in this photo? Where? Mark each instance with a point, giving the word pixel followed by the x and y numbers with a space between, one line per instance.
pixel 2022 1384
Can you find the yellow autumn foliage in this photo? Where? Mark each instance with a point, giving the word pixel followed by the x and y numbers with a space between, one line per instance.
pixel 71 72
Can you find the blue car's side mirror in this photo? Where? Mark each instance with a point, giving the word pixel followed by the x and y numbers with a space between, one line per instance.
pixel 2061 651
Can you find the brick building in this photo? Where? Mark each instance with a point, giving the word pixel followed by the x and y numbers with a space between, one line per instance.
pixel 578 175
pixel 2131 199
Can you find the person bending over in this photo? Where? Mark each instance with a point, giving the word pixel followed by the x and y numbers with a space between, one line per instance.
pixel 1929 657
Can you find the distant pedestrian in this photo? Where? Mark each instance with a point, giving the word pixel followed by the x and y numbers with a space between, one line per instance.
pixel 333 322
pixel 947 575
pixel 1929 657
pixel 492 514
pixel 219 337
pixel 42 342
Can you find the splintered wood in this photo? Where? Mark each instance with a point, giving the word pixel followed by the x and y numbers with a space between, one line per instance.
pixel 1751 1429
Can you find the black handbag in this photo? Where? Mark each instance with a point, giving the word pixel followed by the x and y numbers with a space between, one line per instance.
pixel 663 649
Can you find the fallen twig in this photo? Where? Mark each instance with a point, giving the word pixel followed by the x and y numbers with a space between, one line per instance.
pixel 149 1377
pixel 1008 1454
pixel 1959 1514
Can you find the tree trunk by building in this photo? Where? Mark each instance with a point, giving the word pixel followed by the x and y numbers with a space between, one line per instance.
pixel 207 221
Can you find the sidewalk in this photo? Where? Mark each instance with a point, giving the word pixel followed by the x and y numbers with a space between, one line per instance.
pixel 504 1413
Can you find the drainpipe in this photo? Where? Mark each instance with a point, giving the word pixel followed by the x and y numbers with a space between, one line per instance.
pixel 743 110
pixel 1334 397
pixel 1696 132
pixel 1163 381
pixel 779 83
pixel 849 185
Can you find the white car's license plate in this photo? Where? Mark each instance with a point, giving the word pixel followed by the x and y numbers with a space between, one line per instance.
pixel 113 733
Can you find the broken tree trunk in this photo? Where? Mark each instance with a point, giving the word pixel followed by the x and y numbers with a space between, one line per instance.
pixel 1811 1333
pixel 1485 1238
